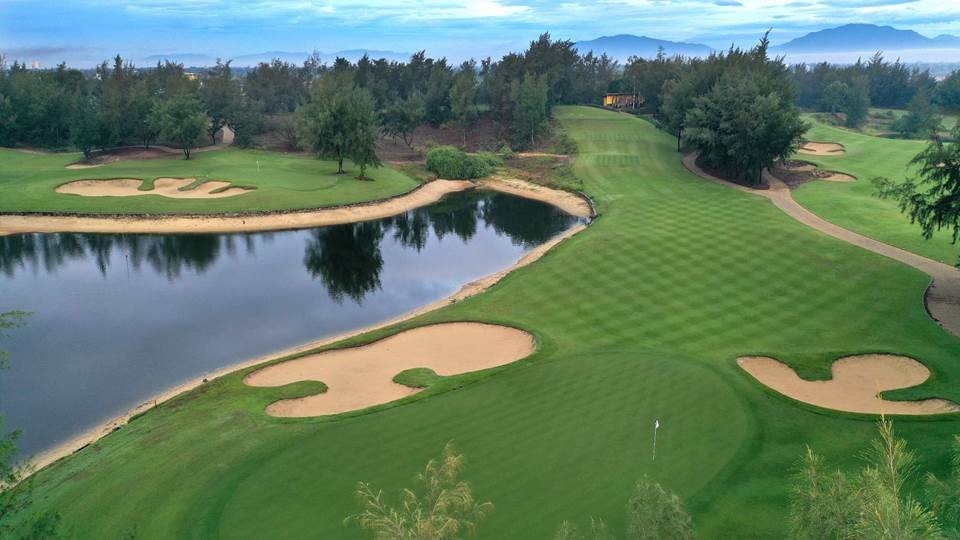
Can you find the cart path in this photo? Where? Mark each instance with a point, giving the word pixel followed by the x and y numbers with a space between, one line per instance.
pixel 942 296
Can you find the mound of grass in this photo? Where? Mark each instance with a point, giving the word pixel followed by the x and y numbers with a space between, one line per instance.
pixel 277 181
pixel 639 318
pixel 417 377
pixel 451 163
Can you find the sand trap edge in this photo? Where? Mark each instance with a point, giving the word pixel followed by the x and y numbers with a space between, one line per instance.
pixel 379 339
pixel 878 405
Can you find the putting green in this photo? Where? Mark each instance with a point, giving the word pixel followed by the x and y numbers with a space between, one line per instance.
pixel 282 181
pixel 640 317
pixel 854 205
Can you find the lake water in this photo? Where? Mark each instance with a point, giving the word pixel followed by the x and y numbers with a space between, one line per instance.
pixel 117 319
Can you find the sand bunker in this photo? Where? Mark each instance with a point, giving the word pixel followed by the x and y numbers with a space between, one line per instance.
pixel 856 384
pixel 833 176
pixel 361 377
pixel 568 202
pixel 822 149
pixel 166 187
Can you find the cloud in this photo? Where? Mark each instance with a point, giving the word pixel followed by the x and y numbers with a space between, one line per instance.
pixel 727 3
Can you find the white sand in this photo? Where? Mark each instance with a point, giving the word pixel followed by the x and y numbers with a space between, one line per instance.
pixel 361 377
pixel 165 187
pixel 822 149
pixel 856 384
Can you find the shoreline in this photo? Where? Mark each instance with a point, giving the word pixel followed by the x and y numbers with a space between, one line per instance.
pixel 87 437
pixel 422 195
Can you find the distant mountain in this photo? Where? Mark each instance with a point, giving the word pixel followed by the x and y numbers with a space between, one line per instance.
pixel 187 59
pixel 864 37
pixel 624 46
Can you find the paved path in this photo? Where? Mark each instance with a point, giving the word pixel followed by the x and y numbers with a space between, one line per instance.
pixel 943 295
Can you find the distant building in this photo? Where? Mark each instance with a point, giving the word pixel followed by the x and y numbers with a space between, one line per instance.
pixel 631 101
pixel 35 64
pixel 191 76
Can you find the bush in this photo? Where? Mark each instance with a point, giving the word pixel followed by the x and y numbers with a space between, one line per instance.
pixel 454 164
pixel 564 144
pixel 506 152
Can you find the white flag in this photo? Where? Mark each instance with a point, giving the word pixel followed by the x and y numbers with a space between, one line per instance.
pixel 656 424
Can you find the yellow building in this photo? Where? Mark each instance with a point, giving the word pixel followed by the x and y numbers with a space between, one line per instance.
pixel 630 101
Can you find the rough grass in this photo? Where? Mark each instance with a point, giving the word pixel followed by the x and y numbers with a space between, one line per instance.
pixel 853 205
pixel 281 182
pixel 640 317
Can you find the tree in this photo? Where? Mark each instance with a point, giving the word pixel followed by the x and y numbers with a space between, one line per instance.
pixel 932 198
pixel 85 124
pixel 944 494
pixel 652 513
pixel 834 97
pixel 856 102
pixel 948 92
pixel 436 99
pixel 531 101
pixel 871 504
pixel 462 97
pixel 441 506
pixel 402 118
pixel 339 123
pixel 921 118
pixel 181 119
pixel 740 130
pixel 220 94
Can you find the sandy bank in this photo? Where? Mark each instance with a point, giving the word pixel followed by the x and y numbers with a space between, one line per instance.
pixel 822 149
pixel 174 224
pixel 568 202
pixel 470 289
pixel 361 377
pixel 165 187
pixel 856 384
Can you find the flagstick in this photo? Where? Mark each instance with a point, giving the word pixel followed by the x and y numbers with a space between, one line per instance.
pixel 656 426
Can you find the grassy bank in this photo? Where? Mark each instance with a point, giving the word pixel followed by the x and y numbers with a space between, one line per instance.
pixel 282 182
pixel 854 206
pixel 640 317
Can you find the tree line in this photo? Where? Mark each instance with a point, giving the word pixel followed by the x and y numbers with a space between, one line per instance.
pixel 334 110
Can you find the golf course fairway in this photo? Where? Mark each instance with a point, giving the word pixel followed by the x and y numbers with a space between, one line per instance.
pixel 854 205
pixel 640 317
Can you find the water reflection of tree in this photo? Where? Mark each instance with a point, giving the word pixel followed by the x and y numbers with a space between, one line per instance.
pixel 346 258
pixel 528 224
pixel 168 255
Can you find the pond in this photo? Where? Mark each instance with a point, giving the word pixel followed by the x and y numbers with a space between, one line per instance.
pixel 116 319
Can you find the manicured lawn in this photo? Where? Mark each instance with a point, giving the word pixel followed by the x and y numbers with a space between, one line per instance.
pixel 282 182
pixel 855 206
pixel 639 318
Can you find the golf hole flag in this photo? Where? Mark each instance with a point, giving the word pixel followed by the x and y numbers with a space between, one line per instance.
pixel 656 426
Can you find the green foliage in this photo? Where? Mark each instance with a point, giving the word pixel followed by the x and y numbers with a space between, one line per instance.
pixel 944 494
pixel 531 99
pixel 948 92
pixel 564 144
pixel 339 123
pixel 871 504
pixel 463 93
pixel 181 119
pixel 921 119
pixel 933 198
pixel 417 377
pixel 655 513
pixel 451 163
pixel 856 103
pixel 402 118
pixel 740 130
pixel 221 97
pixel 85 125
pixel 441 506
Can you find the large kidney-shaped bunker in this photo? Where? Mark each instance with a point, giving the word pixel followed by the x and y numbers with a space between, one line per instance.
pixel 361 377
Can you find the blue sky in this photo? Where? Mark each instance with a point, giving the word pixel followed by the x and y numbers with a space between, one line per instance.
pixel 85 31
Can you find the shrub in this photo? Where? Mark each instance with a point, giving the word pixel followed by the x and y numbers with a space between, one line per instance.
pixel 455 164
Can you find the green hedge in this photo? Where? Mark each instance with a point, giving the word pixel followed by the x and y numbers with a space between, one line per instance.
pixel 451 163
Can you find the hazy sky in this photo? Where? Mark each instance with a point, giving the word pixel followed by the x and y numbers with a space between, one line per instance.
pixel 84 31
